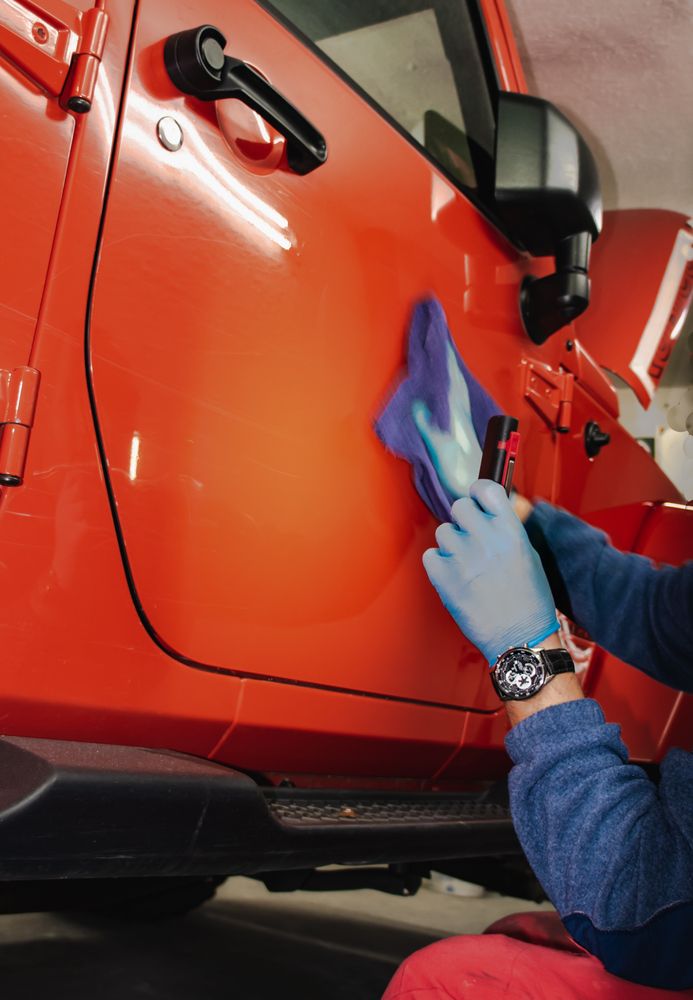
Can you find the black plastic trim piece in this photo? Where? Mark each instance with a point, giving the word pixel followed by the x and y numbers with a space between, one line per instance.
pixel 595 438
pixel 305 807
pixel 85 810
pixel 484 42
pixel 196 64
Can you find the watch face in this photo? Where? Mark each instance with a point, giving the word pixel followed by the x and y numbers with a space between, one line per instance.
pixel 519 674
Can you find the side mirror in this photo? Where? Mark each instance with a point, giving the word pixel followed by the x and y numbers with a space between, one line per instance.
pixel 548 196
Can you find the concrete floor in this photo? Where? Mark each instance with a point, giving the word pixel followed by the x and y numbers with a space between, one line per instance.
pixel 247 944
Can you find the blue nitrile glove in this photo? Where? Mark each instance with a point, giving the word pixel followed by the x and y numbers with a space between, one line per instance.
pixel 488 575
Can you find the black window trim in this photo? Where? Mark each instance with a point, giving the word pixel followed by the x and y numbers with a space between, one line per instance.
pixel 487 58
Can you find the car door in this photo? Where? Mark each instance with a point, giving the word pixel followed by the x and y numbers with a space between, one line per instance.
pixel 248 322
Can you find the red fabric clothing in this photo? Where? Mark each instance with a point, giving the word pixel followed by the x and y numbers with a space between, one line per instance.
pixel 540 927
pixel 528 956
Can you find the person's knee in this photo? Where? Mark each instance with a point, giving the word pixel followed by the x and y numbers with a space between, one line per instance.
pixel 454 966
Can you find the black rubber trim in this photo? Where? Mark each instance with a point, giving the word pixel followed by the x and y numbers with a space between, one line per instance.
pixel 81 810
pixel 487 58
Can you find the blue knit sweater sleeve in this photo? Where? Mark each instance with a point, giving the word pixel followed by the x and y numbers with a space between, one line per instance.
pixel 613 851
pixel 639 612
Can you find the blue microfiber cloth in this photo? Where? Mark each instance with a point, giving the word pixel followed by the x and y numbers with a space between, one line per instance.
pixel 437 416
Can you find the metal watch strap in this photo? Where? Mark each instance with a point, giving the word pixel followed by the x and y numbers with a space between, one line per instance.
pixel 557 661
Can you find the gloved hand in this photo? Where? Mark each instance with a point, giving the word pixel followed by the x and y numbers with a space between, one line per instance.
pixel 488 575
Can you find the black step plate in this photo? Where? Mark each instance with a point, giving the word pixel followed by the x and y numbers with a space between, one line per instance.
pixel 84 810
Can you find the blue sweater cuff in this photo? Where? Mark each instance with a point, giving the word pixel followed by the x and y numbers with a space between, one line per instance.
pixel 551 724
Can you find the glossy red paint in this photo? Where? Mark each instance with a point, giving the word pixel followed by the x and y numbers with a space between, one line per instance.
pixel 18 392
pixel 622 473
pixel 55 45
pixel 82 665
pixel 640 297
pixel 346 734
pixel 30 197
pixel 506 55
pixel 590 376
pixel 239 430
pixel 259 147
pixel 268 607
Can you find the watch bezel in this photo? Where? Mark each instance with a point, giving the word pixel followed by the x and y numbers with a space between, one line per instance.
pixel 509 691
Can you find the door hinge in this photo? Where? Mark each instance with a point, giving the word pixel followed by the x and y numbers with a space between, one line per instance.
pixel 57 46
pixel 550 392
pixel 18 392
pixel 590 377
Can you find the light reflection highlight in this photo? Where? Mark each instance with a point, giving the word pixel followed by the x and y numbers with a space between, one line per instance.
pixel 134 457
pixel 210 172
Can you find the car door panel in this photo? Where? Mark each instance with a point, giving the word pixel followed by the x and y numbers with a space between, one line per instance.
pixel 246 328
pixel 248 324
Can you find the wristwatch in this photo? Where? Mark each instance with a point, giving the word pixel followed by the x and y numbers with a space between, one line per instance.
pixel 520 672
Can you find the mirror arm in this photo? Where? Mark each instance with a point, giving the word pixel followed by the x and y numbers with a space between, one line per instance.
pixel 551 302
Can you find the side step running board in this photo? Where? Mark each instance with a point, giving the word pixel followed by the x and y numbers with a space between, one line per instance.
pixel 80 810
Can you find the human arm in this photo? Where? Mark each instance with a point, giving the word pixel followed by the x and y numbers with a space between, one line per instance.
pixel 589 578
pixel 613 852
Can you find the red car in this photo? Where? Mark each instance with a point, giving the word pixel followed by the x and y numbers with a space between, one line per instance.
pixel 220 651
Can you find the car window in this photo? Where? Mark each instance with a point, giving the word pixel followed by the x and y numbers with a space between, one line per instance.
pixel 422 62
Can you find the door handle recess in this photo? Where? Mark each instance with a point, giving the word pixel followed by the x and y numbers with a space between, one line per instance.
pixel 196 64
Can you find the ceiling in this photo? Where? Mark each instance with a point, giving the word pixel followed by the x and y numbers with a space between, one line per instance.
pixel 621 70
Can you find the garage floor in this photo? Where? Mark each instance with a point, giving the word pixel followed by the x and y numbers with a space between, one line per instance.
pixel 247 944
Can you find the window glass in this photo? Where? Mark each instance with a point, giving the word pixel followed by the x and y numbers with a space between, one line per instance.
pixel 420 62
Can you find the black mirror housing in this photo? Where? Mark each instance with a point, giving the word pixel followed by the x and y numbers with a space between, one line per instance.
pixel 547 185
pixel 547 194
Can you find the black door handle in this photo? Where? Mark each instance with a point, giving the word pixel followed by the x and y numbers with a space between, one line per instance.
pixel 196 64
